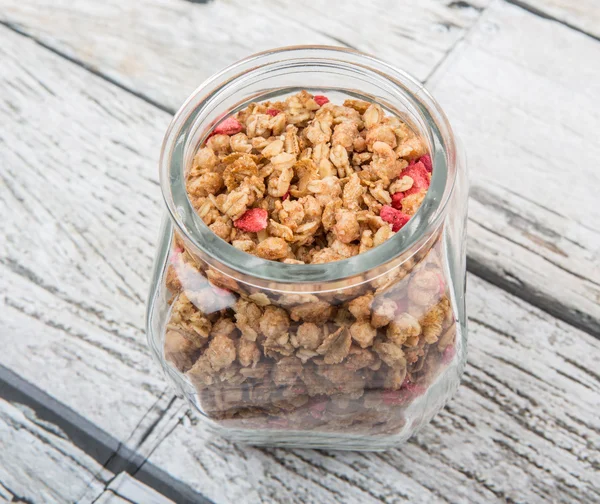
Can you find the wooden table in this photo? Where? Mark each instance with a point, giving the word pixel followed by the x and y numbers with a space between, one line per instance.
pixel 86 92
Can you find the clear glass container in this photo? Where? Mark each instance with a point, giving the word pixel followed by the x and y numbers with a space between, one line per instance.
pixel 235 333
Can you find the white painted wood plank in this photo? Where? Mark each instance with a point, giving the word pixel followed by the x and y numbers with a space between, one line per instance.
pixel 523 428
pixel 530 131
pixel 580 14
pixel 113 455
pixel 558 458
pixel 108 497
pixel 124 489
pixel 164 49
pixel 77 170
pixel 5 494
pixel 521 119
pixel 37 464
pixel 80 213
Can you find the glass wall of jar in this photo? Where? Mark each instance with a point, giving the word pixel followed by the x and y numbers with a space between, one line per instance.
pixel 352 354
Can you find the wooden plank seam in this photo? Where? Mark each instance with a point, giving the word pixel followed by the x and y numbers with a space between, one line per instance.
pixel 102 447
pixel 524 290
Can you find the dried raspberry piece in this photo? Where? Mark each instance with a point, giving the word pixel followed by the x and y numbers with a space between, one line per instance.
pixel 426 160
pixel 394 397
pixel 413 389
pixel 253 220
pixel 402 305
pixel 220 291
pixel 420 176
pixel 321 100
pixel 286 196
pixel 229 126
pixel 273 112
pixel 397 200
pixel 317 409
pixel 408 391
pixel 395 217
pixel 448 354
pixel 442 283
pixel 175 255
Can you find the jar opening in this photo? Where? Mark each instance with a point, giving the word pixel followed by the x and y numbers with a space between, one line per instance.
pixel 339 73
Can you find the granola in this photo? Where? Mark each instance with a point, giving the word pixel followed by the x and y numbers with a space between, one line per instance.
pixel 306 181
pixel 280 177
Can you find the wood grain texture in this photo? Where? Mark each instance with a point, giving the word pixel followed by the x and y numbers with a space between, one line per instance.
pixel 583 15
pixel 73 278
pixel 79 201
pixel 530 133
pixel 114 456
pixel 80 211
pixel 522 428
pixel 164 49
pixel 124 489
pixel 38 464
pixel 519 118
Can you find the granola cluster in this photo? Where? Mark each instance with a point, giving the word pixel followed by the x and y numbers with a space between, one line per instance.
pixel 307 181
pixel 354 358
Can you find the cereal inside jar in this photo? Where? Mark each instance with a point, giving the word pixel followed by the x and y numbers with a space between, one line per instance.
pixel 305 185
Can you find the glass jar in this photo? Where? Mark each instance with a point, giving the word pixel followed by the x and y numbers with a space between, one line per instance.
pixel 262 381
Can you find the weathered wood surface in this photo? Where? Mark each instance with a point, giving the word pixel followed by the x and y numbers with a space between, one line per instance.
pixel 524 427
pixel 80 215
pixel 37 463
pixel 520 119
pixel 163 50
pixel 81 208
pixel 111 460
pixel 123 489
pixel 583 15
pixel 530 132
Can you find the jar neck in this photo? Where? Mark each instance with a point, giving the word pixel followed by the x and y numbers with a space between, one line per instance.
pixel 273 75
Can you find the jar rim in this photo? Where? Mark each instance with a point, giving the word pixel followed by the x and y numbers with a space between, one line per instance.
pixel 229 260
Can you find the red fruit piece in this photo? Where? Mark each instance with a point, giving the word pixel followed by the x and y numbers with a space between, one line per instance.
pixel 448 354
pixel 408 391
pixel 395 217
pixel 396 397
pixel 220 291
pixel 393 397
pixel 426 160
pixel 412 389
pixel 420 176
pixel 285 196
pixel 253 220
pixel 397 200
pixel 442 283
pixel 273 112
pixel 317 409
pixel 402 306
pixel 321 100
pixel 176 254
pixel 229 126
pixel 418 172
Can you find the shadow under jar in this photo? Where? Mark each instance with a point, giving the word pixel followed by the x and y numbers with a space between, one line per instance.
pixel 225 325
